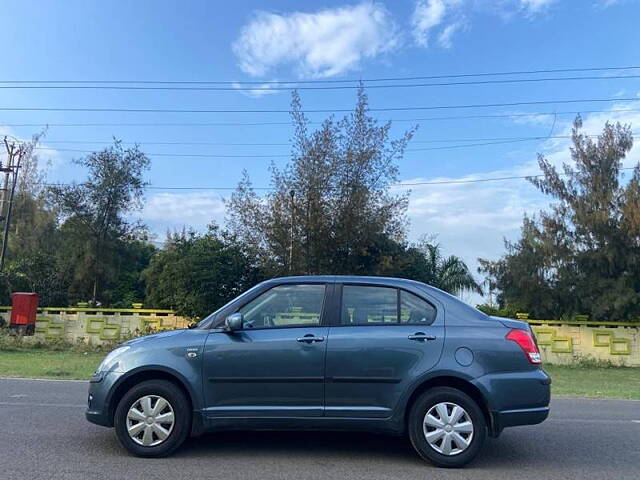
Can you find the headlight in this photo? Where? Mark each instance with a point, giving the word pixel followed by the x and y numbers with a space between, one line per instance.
pixel 111 357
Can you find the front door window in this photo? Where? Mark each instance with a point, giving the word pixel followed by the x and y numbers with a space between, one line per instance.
pixel 285 306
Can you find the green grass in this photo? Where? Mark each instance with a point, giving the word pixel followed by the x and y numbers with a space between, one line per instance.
pixel 578 381
pixel 596 382
pixel 48 364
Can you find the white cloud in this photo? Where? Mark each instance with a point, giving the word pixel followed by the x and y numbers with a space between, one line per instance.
pixel 321 44
pixel 443 18
pixel 257 91
pixel 607 3
pixel 535 6
pixel 427 15
pixel 165 210
pixel 444 39
pixel 536 119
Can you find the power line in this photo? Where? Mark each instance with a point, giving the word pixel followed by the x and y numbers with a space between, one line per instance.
pixel 255 124
pixel 401 184
pixel 194 155
pixel 327 81
pixel 96 142
pixel 297 87
pixel 339 110
pixel 250 144
pixel 492 179
pixel 284 155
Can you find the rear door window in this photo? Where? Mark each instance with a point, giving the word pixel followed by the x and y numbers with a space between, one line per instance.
pixel 369 305
pixel 415 310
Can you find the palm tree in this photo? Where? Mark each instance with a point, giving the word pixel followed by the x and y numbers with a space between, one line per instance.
pixel 450 274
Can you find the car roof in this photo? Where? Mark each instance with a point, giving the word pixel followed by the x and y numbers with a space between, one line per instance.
pixel 455 306
pixel 441 295
pixel 389 281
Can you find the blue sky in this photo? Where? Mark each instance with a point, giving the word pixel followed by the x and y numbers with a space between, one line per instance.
pixel 331 40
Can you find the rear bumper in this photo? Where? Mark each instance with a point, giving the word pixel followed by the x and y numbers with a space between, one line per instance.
pixel 516 398
pixel 513 418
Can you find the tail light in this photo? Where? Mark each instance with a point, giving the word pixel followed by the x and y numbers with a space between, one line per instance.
pixel 527 343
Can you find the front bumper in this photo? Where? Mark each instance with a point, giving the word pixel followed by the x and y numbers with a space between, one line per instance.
pixel 100 389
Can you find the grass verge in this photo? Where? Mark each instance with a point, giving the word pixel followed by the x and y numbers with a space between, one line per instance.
pixel 578 381
pixel 48 364
pixel 596 382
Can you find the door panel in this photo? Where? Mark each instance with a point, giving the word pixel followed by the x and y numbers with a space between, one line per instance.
pixel 369 367
pixel 387 337
pixel 265 372
pixel 274 366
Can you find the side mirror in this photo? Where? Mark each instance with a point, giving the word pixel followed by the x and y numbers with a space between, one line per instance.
pixel 233 322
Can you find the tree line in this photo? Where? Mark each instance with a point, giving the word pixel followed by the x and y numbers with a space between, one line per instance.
pixel 332 210
pixel 582 255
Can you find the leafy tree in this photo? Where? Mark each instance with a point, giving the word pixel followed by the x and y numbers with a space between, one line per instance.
pixel 526 277
pixel 425 262
pixel 93 215
pixel 450 274
pixel 31 263
pixel 331 207
pixel 195 274
pixel 583 255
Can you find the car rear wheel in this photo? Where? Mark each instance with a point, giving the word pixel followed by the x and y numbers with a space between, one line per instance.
pixel 447 427
pixel 152 419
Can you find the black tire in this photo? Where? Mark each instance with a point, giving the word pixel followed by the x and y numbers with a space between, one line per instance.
pixel 182 418
pixel 417 415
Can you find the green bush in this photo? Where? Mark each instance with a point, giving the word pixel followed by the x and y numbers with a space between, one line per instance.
pixel 506 312
pixel 11 341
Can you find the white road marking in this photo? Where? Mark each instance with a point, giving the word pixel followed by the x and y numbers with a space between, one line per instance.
pixel 43 379
pixel 589 420
pixel 25 404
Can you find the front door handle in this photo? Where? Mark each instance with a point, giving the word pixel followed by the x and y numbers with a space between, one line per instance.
pixel 421 337
pixel 310 338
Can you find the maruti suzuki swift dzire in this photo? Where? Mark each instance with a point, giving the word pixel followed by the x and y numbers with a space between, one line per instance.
pixel 328 352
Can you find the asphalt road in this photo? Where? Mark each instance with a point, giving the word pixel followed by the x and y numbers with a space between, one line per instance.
pixel 43 435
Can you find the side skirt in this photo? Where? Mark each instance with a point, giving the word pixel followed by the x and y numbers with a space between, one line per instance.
pixel 376 425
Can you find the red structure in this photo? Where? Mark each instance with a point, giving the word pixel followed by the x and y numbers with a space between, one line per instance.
pixel 24 307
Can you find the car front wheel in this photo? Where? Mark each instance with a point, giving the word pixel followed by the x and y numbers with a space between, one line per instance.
pixel 152 419
pixel 447 427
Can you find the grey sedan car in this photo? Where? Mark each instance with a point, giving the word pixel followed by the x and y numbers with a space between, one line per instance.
pixel 328 352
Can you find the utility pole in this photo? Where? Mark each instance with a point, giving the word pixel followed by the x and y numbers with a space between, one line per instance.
pixel 291 194
pixel 10 170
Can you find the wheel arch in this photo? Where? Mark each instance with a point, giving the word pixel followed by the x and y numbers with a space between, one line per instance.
pixel 152 372
pixel 459 383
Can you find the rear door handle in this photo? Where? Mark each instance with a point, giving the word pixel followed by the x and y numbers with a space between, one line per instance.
pixel 310 338
pixel 421 337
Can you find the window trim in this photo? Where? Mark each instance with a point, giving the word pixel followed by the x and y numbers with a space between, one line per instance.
pixel 327 293
pixel 339 292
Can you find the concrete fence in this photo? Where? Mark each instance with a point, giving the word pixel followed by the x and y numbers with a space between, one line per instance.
pixel 99 325
pixel 568 342
pixel 561 342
